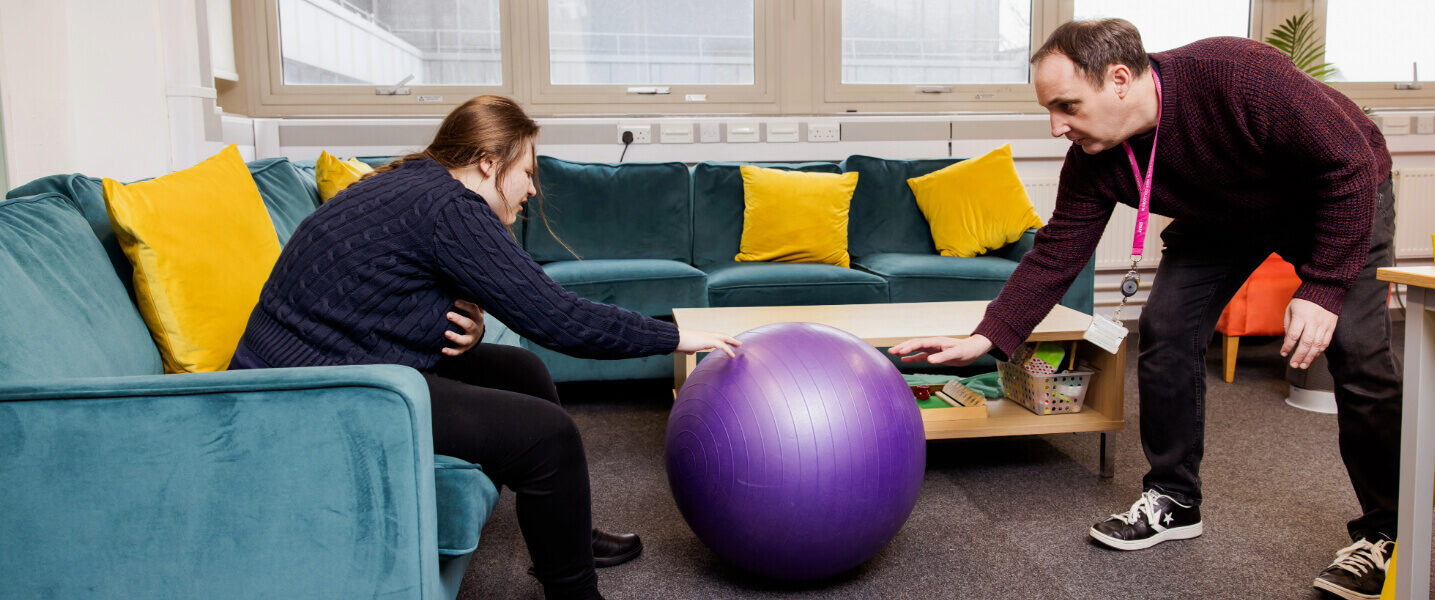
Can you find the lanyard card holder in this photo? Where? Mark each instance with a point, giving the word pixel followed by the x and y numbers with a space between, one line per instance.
pixel 1105 333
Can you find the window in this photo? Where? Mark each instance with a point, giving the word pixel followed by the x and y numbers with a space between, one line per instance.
pixel 1392 55
pixel 650 42
pixel 930 54
pixel 1166 25
pixel 935 41
pixel 666 56
pixel 327 42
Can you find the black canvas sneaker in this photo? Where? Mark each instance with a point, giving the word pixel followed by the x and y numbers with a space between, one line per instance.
pixel 1153 519
pixel 1358 570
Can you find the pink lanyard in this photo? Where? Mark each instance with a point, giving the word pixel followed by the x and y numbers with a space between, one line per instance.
pixel 1143 210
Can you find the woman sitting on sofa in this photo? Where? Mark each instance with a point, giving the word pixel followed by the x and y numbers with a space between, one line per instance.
pixel 369 278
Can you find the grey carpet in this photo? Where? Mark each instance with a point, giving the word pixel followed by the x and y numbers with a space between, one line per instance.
pixel 997 518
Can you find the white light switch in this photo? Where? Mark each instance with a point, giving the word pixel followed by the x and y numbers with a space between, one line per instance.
pixel 782 132
pixel 675 133
pixel 742 132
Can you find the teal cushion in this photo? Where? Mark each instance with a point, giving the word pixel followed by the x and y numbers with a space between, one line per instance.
pixel 718 207
pixel 289 194
pixel 791 284
pixel 69 313
pixel 464 497
pixel 933 278
pixel 884 216
pixel 648 286
pixel 89 196
pixel 630 210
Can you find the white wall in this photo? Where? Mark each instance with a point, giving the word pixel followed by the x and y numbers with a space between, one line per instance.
pixel 87 86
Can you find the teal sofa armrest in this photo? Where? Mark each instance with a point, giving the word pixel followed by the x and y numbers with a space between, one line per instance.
pixel 299 483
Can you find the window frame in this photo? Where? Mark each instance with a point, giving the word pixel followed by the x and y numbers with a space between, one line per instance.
pixel 797 70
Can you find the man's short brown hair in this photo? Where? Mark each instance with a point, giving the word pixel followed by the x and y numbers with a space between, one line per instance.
pixel 1095 45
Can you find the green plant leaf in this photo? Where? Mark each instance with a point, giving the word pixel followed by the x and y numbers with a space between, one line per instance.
pixel 1296 38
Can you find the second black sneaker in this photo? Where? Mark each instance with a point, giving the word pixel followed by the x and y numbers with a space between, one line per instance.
pixel 1358 570
pixel 1153 519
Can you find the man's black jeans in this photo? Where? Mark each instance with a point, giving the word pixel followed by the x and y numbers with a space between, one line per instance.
pixel 1200 270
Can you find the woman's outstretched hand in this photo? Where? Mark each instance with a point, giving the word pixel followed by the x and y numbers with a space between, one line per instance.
pixel 692 340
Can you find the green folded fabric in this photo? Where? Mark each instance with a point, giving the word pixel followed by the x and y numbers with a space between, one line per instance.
pixel 986 384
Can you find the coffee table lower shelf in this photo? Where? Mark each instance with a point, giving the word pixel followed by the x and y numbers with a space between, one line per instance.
pixel 1005 417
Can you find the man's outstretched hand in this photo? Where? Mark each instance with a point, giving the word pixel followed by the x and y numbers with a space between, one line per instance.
pixel 955 352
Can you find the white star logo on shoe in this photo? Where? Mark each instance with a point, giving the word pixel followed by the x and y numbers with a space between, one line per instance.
pixel 1168 519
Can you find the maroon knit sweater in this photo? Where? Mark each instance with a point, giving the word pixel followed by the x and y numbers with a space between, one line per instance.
pixel 1247 140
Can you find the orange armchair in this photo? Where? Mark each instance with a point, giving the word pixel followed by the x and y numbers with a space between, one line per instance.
pixel 1258 308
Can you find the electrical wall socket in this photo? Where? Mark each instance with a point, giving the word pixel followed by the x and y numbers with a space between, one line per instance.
pixel 710 132
pixel 824 132
pixel 1425 124
pixel 642 134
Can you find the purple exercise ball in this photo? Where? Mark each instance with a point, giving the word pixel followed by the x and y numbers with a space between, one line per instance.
pixel 799 459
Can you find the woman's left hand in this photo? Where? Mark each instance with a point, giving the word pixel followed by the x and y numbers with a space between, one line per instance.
pixel 472 328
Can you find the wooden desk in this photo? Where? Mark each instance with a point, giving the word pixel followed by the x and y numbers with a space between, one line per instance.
pixel 885 325
pixel 1417 432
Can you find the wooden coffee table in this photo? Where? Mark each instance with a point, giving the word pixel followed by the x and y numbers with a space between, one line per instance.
pixel 884 325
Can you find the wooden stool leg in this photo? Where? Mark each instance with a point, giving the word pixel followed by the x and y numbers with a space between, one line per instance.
pixel 1228 356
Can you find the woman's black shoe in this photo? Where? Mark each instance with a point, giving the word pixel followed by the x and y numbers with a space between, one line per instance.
pixel 613 549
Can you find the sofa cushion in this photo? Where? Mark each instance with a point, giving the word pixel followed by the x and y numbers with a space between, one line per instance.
pixel 933 278
pixel 202 244
pixel 885 217
pixel 286 194
pixel 718 207
pixel 975 206
pixel 334 175
pixel 649 286
pixel 70 315
pixel 791 284
pixel 89 196
pixel 793 216
pixel 630 210
pixel 464 497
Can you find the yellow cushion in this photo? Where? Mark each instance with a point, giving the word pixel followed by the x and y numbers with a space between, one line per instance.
pixel 794 216
pixel 334 175
pixel 202 245
pixel 975 206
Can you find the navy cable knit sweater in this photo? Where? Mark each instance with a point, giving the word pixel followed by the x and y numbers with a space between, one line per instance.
pixel 1249 146
pixel 368 278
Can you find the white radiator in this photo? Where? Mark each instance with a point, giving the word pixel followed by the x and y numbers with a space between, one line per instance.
pixel 1414 212
pixel 1114 251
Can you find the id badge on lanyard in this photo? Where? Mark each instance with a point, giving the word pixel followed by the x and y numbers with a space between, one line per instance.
pixel 1107 333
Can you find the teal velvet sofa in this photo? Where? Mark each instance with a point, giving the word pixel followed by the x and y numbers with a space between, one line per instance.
pixel 118 481
pixel 652 237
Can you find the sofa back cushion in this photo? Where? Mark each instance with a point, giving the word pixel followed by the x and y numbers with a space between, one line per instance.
pixel 289 195
pixel 70 314
pixel 718 207
pixel 607 211
pixel 885 217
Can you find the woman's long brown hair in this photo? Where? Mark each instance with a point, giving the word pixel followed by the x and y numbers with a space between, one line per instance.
pixel 488 126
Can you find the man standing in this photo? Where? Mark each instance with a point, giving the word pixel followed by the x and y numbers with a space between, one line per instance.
pixel 1249 156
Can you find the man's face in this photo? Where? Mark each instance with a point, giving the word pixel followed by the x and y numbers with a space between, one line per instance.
pixel 1091 118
